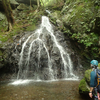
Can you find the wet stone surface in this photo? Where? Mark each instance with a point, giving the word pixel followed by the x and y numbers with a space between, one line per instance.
pixel 59 90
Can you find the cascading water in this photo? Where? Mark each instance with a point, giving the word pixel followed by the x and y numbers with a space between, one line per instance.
pixel 43 57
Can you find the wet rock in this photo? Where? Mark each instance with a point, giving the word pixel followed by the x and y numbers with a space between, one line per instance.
pixel 41 57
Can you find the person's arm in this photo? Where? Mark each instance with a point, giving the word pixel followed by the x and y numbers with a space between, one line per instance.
pixel 90 93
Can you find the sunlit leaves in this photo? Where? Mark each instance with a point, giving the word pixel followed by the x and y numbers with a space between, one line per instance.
pixel 86 39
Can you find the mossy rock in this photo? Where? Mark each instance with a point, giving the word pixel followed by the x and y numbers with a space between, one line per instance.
pixel 83 87
pixel 87 75
pixel 84 83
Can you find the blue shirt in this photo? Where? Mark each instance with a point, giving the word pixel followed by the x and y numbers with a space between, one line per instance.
pixel 93 79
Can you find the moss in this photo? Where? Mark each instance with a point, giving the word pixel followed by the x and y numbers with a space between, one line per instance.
pixel 31 27
pixel 6 36
pixel 47 3
pixel 20 25
pixel 87 75
pixel 79 17
pixel 99 65
pixel 83 87
pixel 1 53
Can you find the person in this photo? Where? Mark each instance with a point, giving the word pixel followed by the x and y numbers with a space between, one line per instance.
pixel 93 80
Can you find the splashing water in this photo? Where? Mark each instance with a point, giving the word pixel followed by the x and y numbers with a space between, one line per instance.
pixel 38 60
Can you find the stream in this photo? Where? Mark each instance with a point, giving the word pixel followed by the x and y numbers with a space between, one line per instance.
pixel 48 90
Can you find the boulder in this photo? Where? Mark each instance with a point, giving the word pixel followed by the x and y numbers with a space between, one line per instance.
pixel 83 87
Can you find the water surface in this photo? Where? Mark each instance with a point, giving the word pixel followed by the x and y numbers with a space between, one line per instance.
pixel 56 90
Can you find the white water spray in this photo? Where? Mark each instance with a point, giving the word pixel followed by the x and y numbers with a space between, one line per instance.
pixel 37 39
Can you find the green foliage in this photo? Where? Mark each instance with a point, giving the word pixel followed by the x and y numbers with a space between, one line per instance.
pixel 99 65
pixel 1 59
pixel 46 2
pixel 5 36
pixel 1 53
pixel 86 0
pixel 87 75
pixel 97 7
pixel 86 39
pixel 28 23
pixel 83 86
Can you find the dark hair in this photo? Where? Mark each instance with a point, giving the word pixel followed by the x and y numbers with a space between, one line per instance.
pixel 94 66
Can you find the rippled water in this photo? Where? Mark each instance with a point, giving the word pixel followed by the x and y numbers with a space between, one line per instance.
pixel 56 90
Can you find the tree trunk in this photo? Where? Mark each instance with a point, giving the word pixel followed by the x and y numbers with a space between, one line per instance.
pixel 38 4
pixel 30 5
pixel 8 13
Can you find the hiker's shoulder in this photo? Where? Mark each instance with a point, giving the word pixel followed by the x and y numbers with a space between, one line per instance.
pixel 92 72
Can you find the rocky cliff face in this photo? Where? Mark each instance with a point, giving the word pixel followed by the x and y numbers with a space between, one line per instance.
pixel 78 20
pixel 13 52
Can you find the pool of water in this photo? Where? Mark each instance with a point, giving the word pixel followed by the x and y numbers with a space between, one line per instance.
pixel 55 90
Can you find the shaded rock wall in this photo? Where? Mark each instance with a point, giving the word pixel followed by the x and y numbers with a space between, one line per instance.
pixel 77 17
pixel 79 20
pixel 14 50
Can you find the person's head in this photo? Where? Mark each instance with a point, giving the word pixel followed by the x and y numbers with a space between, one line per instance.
pixel 94 64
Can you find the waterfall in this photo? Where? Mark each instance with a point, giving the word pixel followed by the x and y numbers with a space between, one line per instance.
pixel 43 57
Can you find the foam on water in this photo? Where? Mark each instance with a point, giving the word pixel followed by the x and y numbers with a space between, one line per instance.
pixel 23 82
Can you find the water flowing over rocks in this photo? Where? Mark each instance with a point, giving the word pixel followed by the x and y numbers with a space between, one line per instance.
pixel 43 54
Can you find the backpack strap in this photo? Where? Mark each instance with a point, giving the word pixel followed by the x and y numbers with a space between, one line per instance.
pixel 96 74
pixel 98 78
